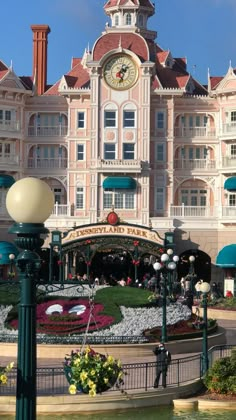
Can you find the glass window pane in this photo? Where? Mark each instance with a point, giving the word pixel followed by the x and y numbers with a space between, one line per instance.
pixel 110 119
pixel 128 151
pixel 80 198
pixel 129 119
pixel 80 119
pixel 80 152
pixel 109 151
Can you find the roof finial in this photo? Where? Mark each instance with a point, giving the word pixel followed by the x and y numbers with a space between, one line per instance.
pixel 230 64
pixel 11 66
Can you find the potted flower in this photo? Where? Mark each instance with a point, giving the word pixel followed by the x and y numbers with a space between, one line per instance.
pixel 90 372
pixel 4 372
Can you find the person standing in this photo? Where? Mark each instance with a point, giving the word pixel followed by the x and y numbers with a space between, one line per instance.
pixel 163 359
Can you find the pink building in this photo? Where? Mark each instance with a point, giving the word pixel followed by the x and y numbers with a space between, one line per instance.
pixel 127 127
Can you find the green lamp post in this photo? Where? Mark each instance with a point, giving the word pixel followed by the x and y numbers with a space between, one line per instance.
pixel 205 288
pixel 167 266
pixel 191 272
pixel 29 202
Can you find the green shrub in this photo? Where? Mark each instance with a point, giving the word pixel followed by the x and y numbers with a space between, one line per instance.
pixel 221 377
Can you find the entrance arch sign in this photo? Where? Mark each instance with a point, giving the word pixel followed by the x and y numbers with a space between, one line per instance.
pixel 106 230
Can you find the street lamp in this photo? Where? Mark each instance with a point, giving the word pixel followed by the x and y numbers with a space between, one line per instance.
pixel 11 273
pixel 191 272
pixel 166 267
pixel 29 202
pixel 205 288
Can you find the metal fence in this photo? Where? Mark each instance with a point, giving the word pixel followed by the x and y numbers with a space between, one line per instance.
pixel 137 376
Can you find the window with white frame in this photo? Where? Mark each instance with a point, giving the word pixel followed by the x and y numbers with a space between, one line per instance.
pixel 5 116
pixel 160 120
pixel 128 119
pixel 120 199
pixel 109 118
pixel 233 150
pixel 160 152
pixel 141 20
pixel 58 195
pixel 233 116
pixel 79 197
pixel 116 20
pixel 109 151
pixel 193 197
pixel 159 198
pixel 81 119
pixel 232 200
pixel 128 19
pixel 6 149
pixel 128 151
pixel 80 151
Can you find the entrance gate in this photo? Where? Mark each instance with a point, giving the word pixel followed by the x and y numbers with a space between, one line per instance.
pixel 95 249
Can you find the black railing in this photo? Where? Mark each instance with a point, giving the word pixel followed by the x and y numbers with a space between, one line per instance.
pixel 137 376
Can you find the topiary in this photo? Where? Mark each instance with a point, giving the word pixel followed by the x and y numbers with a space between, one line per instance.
pixel 221 377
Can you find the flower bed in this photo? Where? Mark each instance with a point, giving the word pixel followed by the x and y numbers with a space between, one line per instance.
pixel 62 322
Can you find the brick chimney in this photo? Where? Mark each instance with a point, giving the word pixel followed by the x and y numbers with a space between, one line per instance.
pixel 40 44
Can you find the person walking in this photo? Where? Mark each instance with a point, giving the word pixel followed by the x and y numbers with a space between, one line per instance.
pixel 163 359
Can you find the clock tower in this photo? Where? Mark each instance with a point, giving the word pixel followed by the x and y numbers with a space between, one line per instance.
pixel 130 15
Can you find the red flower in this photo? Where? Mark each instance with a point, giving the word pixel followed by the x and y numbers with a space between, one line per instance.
pixel 88 241
pixel 136 243
pixel 59 262
pixel 88 262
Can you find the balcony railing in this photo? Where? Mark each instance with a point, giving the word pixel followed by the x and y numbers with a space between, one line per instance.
pixel 192 211
pixel 229 162
pixel 194 132
pixel 61 210
pixel 47 163
pixel 7 125
pixel 47 131
pixel 192 164
pixel 229 211
pixel 9 159
pixel 229 128
pixel 119 164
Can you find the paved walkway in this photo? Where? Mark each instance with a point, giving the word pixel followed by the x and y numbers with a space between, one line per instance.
pixel 228 325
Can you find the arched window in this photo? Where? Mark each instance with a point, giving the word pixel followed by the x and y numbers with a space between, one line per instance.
pixel 140 20
pixel 116 20
pixel 128 19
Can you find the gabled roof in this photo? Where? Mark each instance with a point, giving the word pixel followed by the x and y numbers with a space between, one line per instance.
pixel 130 41
pixel 175 77
pixel 143 3
pixel 3 70
pixel 76 78
pixel 214 81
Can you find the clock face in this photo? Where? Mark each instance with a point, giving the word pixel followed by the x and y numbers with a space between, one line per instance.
pixel 120 72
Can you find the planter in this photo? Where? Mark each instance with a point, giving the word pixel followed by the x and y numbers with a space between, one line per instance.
pixel 98 380
pixel 91 372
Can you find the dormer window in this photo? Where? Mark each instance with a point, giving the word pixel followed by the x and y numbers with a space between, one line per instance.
pixel 128 19
pixel 140 21
pixel 116 20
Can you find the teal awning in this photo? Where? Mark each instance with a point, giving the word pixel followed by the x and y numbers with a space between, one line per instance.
pixel 7 248
pixel 120 182
pixel 230 183
pixel 227 256
pixel 6 181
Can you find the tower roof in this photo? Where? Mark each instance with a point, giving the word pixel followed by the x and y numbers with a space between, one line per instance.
pixel 142 3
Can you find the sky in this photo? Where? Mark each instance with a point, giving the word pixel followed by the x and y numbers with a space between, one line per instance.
pixel 203 31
